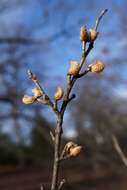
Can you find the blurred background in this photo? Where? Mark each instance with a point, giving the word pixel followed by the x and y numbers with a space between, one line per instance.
pixel 43 35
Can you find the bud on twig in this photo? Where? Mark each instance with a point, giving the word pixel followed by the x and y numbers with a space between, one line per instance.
pixel 83 34
pixel 69 145
pixel 92 35
pixel 96 67
pixel 74 68
pixel 37 92
pixel 28 99
pixel 31 75
pixel 75 151
pixel 71 149
pixel 58 94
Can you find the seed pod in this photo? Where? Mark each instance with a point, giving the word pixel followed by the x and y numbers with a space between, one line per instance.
pixel 28 99
pixel 58 94
pixel 92 34
pixel 75 151
pixel 69 145
pixel 37 92
pixel 74 68
pixel 83 34
pixel 96 67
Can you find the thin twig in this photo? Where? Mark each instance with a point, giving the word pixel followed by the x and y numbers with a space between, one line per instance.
pixel 61 184
pixel 62 158
pixel 34 78
pixel 83 73
pixel 99 19
pixel 119 150
pixel 45 98
pixel 73 96
pixel 52 136
pixel 57 144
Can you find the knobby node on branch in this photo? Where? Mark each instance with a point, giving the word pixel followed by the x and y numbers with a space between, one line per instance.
pixel 75 72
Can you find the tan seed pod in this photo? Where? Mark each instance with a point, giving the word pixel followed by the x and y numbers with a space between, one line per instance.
pixel 37 92
pixel 83 34
pixel 59 93
pixel 69 145
pixel 92 34
pixel 75 151
pixel 28 99
pixel 96 67
pixel 74 68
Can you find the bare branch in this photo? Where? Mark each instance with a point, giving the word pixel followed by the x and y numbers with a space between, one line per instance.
pixel 45 98
pixel 119 150
pixel 83 73
pixel 35 80
pixel 61 184
pixel 99 18
pixel 52 136
pixel 62 158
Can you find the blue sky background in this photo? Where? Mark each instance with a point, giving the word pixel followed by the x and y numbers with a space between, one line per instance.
pixel 55 25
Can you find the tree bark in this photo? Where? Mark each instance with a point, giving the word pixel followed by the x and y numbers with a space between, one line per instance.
pixel 57 143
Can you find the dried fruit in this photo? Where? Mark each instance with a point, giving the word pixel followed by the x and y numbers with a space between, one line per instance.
pixel 92 34
pixel 74 68
pixel 37 92
pixel 69 145
pixel 59 93
pixel 83 34
pixel 28 99
pixel 96 67
pixel 75 151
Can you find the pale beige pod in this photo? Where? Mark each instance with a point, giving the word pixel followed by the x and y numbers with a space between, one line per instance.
pixel 69 145
pixel 83 34
pixel 37 92
pixel 28 99
pixel 92 34
pixel 97 67
pixel 74 68
pixel 75 151
pixel 59 93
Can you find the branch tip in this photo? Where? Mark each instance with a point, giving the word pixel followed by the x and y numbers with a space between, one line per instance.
pixel 61 184
pixel 99 18
pixel 29 72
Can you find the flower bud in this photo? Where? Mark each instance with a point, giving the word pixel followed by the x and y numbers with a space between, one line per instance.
pixel 37 92
pixel 69 145
pixel 83 34
pixel 28 99
pixel 59 93
pixel 92 34
pixel 75 151
pixel 74 68
pixel 96 67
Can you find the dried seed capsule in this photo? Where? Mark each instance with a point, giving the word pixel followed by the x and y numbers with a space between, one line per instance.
pixel 28 99
pixel 83 34
pixel 69 145
pixel 74 68
pixel 96 67
pixel 59 93
pixel 37 92
pixel 75 151
pixel 92 34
